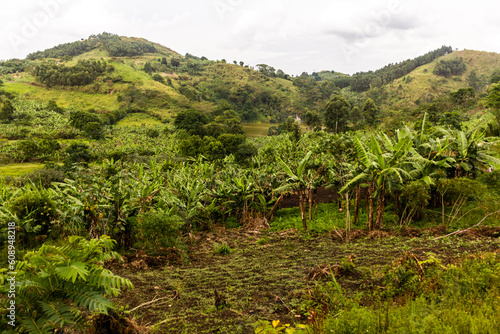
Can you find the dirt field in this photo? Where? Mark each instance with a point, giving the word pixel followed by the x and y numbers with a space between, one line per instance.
pixel 270 276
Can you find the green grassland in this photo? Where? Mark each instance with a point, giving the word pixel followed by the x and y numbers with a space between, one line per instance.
pixel 19 169
pixel 426 86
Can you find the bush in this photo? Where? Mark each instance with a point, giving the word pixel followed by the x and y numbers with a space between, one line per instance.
pixel 44 177
pixel 35 212
pixel 158 229
pixel 152 133
pixel 77 153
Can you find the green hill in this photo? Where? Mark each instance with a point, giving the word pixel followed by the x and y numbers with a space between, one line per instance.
pixel 108 73
pixel 142 76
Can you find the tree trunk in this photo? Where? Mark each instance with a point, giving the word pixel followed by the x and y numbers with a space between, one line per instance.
pixel 302 208
pixel 380 208
pixel 356 205
pixel 348 216
pixel 310 198
pixel 370 206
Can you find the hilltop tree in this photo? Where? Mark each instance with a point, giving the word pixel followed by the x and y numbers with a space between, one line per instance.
pixel 370 112
pixel 337 114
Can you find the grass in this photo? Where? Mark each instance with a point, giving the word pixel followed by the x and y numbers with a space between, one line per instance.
pixel 64 98
pixel 19 169
pixel 271 280
pixel 425 85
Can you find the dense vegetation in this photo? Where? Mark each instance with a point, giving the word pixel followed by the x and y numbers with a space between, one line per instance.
pixel 169 163
pixel 83 73
pixel 116 46
pixel 363 81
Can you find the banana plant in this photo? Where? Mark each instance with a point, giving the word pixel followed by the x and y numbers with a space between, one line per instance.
pixel 301 181
pixel 469 148
pixel 381 171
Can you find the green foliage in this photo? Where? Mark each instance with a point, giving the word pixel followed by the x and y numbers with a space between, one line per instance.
pixel 448 68
pixel 55 282
pixel 33 149
pixel 191 121
pixel 159 78
pixel 77 153
pixel 35 212
pixel 312 120
pixel 156 229
pixel 442 296
pixel 370 112
pixel 336 114
pixel 13 66
pixel 114 44
pixel 7 112
pixel 275 327
pixel 362 81
pixel 463 97
pixel 52 106
pixel 94 130
pixel 83 73
pixel 222 249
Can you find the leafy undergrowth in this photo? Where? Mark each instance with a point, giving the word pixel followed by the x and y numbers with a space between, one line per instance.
pixel 270 276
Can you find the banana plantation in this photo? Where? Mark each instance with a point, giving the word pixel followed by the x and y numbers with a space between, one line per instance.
pixel 135 190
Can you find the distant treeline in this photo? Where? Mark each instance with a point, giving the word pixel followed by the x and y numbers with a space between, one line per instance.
pixel 13 66
pixel 110 42
pixel 83 73
pixel 362 81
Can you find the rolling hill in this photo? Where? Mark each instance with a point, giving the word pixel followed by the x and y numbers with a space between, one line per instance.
pixel 141 76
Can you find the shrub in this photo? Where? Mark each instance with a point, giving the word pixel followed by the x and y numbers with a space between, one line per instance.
pixel 44 177
pixel 223 249
pixel 152 133
pixel 77 153
pixel 35 212
pixel 158 229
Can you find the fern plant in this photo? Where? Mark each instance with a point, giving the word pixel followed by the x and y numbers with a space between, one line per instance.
pixel 55 283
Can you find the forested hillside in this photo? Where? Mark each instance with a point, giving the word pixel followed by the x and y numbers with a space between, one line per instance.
pixel 370 202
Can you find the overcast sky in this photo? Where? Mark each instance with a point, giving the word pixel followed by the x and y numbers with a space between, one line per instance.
pixel 295 36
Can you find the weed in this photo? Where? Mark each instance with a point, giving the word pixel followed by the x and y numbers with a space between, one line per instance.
pixel 223 249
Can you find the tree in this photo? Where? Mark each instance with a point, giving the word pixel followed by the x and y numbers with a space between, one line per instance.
pixel 356 116
pixel 148 68
pixel 312 120
pixel 337 114
pixel 192 121
pixel 175 62
pixel 370 112
pixel 7 112
pixel 494 100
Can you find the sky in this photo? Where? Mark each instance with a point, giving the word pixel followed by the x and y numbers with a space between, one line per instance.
pixel 346 36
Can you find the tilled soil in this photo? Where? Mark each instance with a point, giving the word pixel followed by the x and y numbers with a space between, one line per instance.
pixel 268 275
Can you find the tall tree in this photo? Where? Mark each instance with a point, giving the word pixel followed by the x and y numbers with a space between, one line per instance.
pixel 337 114
pixel 312 120
pixel 370 112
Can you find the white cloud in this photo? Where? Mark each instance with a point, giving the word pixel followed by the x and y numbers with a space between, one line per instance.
pixel 296 36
